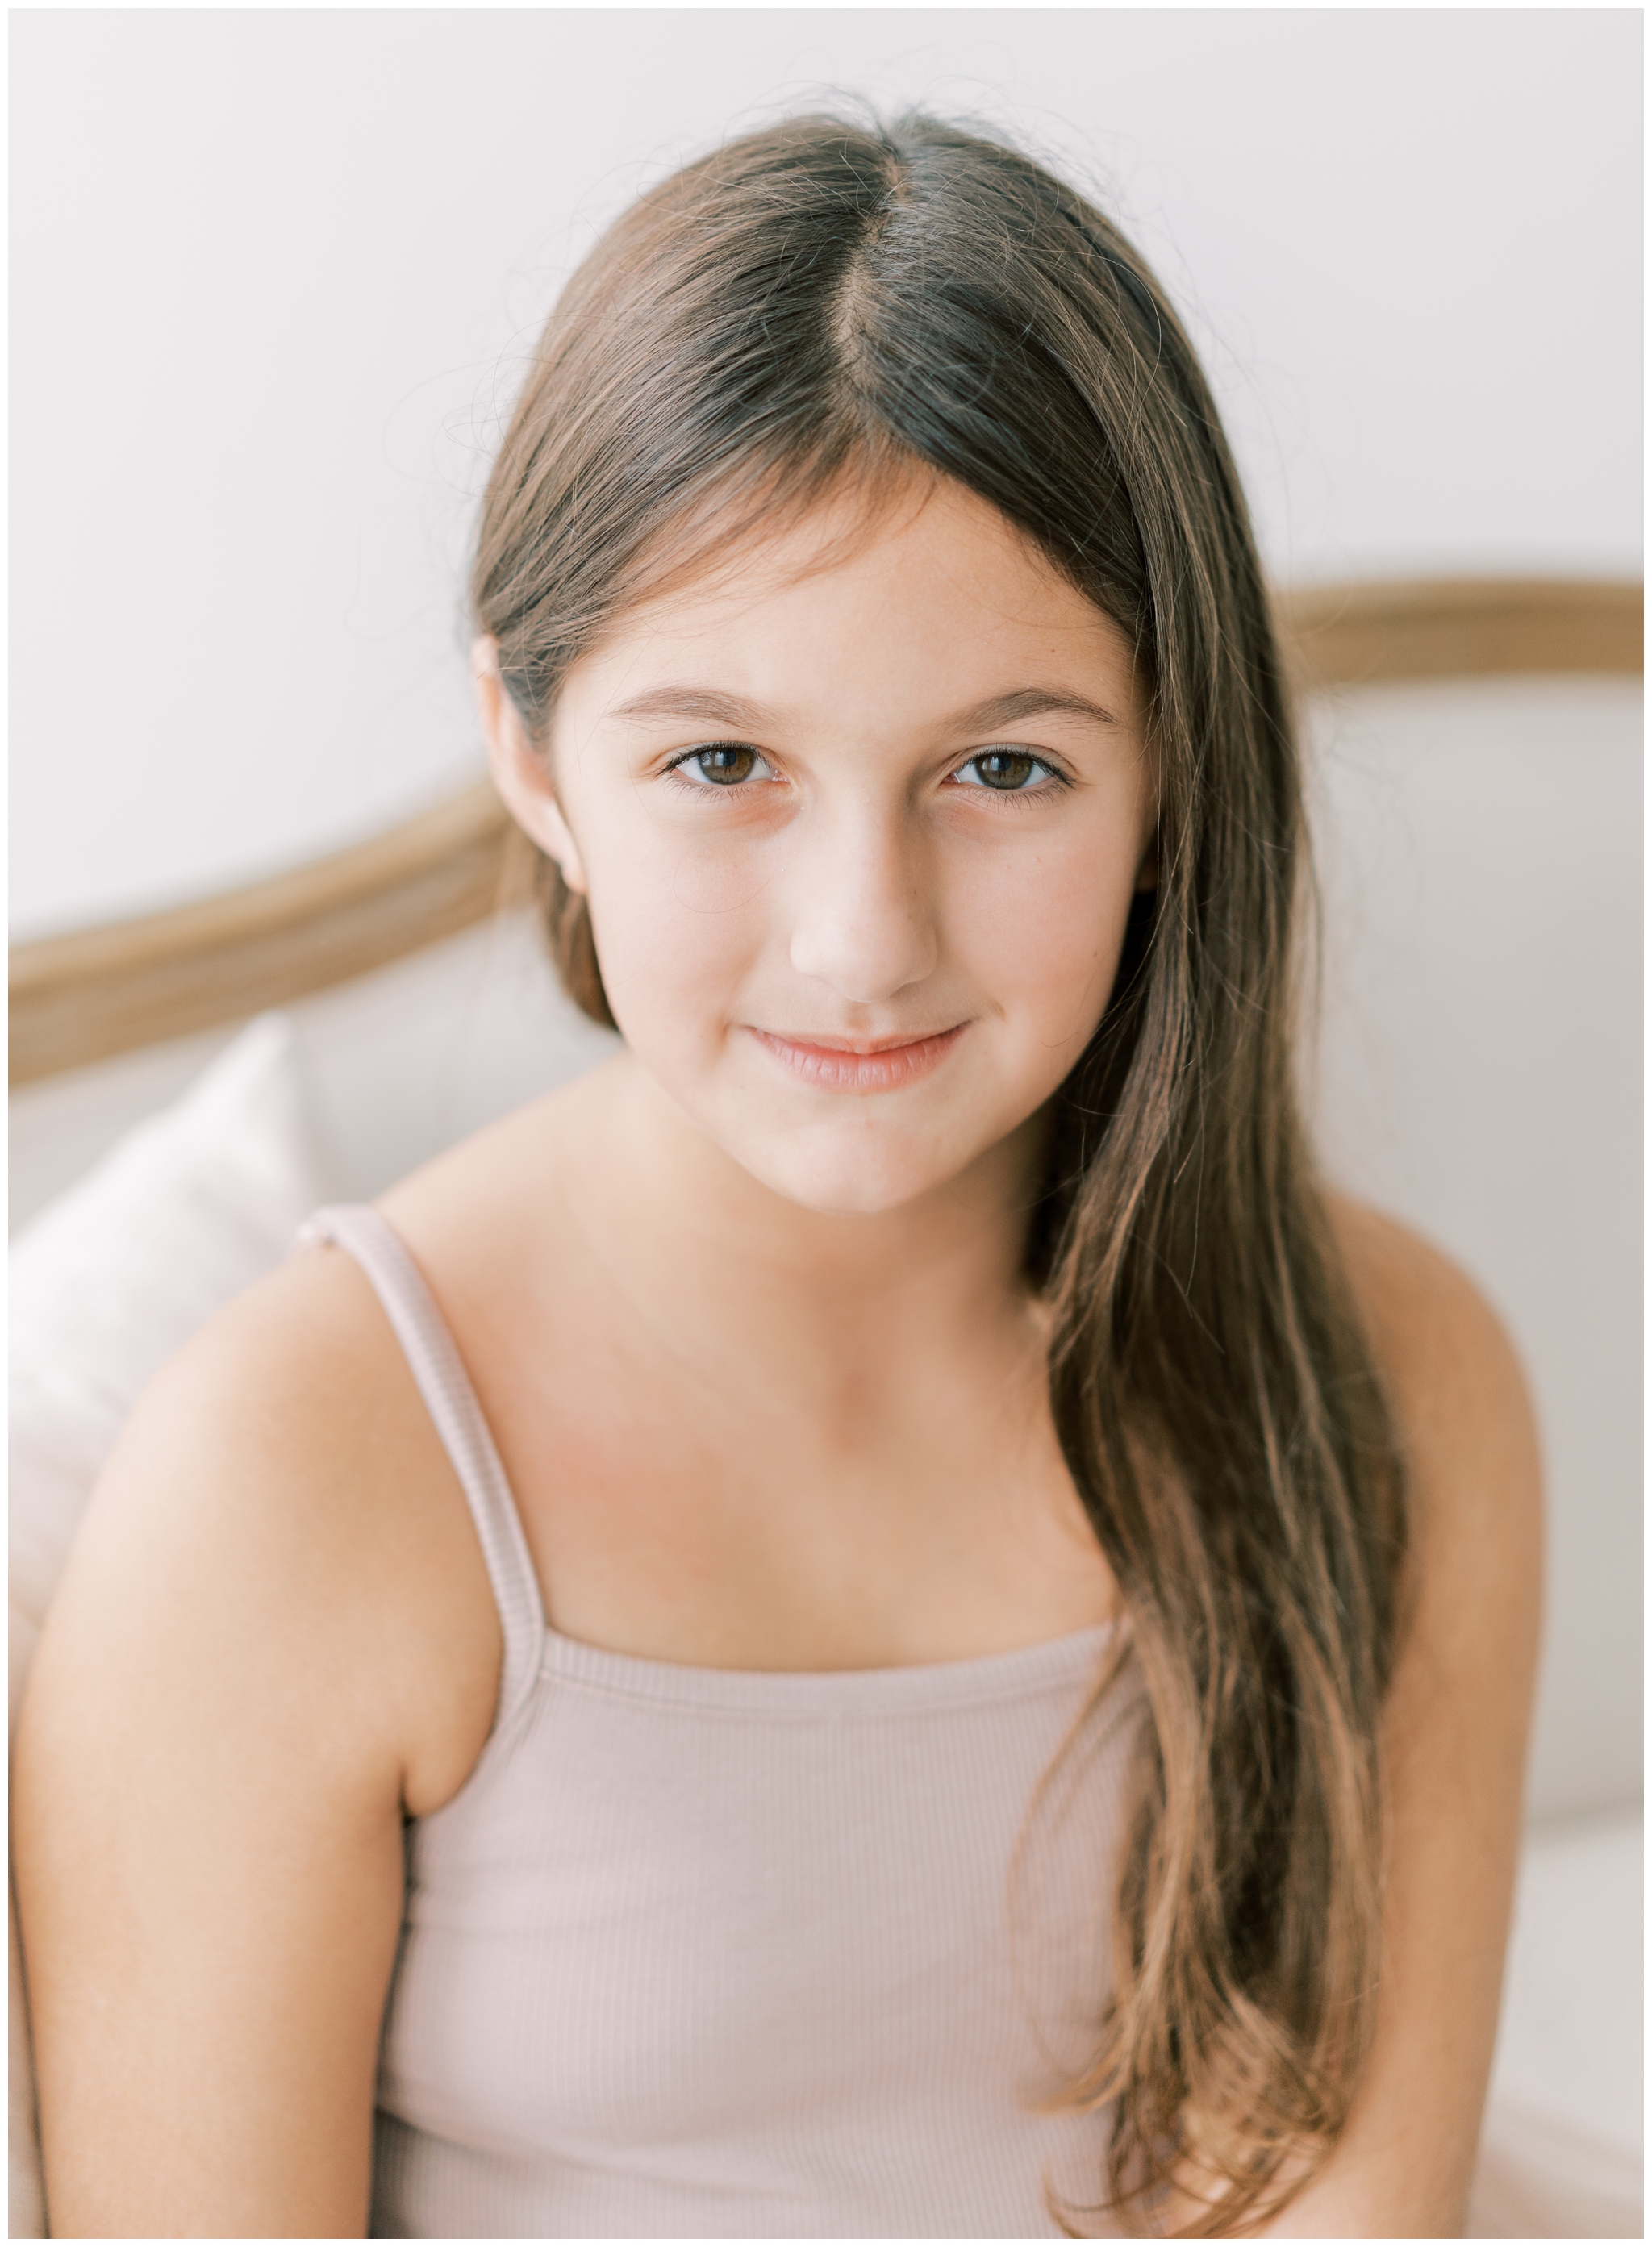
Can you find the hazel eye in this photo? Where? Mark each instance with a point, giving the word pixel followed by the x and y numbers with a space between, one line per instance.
pixel 723 764
pixel 1008 772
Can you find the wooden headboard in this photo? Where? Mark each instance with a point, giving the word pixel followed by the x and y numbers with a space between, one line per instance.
pixel 99 991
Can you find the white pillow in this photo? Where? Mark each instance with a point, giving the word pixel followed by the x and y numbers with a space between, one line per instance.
pixel 105 1283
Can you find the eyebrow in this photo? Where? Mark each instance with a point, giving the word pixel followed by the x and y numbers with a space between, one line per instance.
pixel 702 704
pixel 1030 702
pixel 707 706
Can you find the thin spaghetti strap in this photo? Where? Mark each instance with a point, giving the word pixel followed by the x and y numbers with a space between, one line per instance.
pixel 453 1405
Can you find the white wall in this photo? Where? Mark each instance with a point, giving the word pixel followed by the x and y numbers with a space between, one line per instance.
pixel 273 273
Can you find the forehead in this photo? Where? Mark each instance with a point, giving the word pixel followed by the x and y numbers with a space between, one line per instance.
pixel 920 588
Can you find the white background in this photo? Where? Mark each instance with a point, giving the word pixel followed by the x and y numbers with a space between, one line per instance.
pixel 275 273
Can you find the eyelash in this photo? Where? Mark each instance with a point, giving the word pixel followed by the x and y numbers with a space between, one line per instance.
pixel 1054 779
pixel 674 770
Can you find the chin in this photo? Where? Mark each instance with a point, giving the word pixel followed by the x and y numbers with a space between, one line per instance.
pixel 853 1175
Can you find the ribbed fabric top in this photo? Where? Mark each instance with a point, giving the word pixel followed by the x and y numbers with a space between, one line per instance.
pixel 703 1953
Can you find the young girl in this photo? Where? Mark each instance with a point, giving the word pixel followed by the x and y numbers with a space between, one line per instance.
pixel 878 1618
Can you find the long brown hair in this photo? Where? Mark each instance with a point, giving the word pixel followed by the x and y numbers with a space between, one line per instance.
pixel 826 300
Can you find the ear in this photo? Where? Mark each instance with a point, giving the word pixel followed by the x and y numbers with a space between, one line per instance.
pixel 1147 868
pixel 522 769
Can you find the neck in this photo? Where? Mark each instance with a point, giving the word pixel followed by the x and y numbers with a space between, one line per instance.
pixel 703 1238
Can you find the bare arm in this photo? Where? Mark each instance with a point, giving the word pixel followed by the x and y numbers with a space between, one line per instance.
pixel 252 1665
pixel 1453 1747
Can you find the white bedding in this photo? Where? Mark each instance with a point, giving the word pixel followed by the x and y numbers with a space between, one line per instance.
pixel 1562 2151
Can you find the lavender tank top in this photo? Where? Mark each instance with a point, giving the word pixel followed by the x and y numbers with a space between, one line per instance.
pixel 700 1953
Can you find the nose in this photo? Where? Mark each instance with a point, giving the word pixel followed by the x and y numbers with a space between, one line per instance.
pixel 863 921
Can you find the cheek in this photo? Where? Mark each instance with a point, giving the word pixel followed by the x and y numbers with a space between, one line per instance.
pixel 1041 927
pixel 677 921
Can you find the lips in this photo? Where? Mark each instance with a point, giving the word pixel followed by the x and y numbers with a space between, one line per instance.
pixel 859 1064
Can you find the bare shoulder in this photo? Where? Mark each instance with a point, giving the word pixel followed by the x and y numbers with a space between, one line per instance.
pixel 273 1638
pixel 282 1475
pixel 1464 1417
pixel 1453 1738
pixel 1432 1325
pixel 1456 1382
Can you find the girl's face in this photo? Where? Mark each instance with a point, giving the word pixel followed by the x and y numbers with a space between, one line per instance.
pixel 859 825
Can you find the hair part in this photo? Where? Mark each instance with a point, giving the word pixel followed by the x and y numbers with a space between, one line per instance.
pixel 825 304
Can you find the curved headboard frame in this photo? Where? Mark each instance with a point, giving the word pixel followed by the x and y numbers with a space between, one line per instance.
pixel 99 991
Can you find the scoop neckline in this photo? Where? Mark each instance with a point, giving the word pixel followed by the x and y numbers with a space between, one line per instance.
pixel 893 1689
